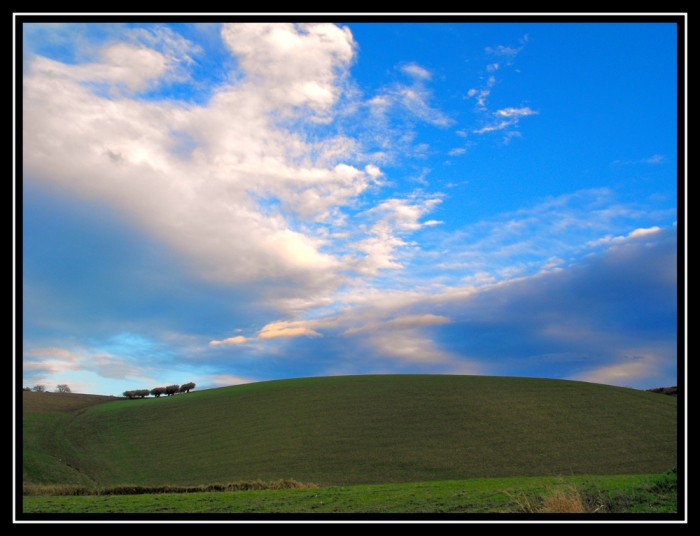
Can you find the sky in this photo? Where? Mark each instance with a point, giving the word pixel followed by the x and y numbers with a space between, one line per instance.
pixel 230 203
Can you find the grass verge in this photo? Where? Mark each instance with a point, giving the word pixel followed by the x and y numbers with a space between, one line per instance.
pixel 620 494
pixel 657 494
pixel 56 490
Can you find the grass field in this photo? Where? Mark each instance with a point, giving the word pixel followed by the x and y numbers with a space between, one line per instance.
pixel 340 431
pixel 628 494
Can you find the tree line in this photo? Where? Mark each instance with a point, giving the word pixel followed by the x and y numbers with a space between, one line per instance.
pixel 157 391
pixel 138 393
pixel 60 388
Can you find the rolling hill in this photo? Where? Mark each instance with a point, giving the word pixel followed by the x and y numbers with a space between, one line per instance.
pixel 351 430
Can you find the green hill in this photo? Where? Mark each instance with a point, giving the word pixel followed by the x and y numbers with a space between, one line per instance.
pixel 354 429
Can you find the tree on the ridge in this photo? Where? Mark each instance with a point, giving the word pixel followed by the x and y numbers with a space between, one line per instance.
pixel 185 388
pixel 157 391
pixel 39 388
pixel 172 389
pixel 63 388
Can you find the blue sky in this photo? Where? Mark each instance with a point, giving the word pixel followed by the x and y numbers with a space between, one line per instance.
pixel 229 203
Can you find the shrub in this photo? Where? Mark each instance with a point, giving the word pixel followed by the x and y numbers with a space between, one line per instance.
pixel 562 500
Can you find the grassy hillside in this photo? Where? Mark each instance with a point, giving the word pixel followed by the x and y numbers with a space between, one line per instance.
pixel 43 416
pixel 49 402
pixel 362 429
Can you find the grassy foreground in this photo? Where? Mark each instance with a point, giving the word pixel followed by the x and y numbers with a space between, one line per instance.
pixel 340 431
pixel 582 494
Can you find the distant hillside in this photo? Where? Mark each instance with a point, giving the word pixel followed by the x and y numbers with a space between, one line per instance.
pixel 357 429
pixel 48 402
pixel 671 391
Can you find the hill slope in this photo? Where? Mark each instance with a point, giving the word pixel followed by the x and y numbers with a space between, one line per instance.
pixel 367 429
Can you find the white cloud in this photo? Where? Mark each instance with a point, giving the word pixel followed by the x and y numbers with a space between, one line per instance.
pixel 414 98
pixel 515 112
pixel 401 322
pixel 623 374
pixel 50 366
pixel 175 47
pixel 644 232
pixel 202 178
pixel 288 330
pixel 496 126
pixel 501 50
pixel 404 214
pixel 410 348
pixel 413 69
pixel 481 95
pixel 292 64
pixel 656 159
pixel 56 361
pixel 231 340
pixel 610 239
pixel 396 216
pixel 513 116
pixel 224 380
pixel 122 63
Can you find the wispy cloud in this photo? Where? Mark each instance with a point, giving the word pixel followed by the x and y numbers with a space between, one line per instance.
pixel 481 94
pixel 526 239
pixel 410 101
pixel 400 323
pixel 239 339
pixel 515 112
pixel 625 373
pixel 413 69
pixel 513 116
pixel 395 216
pixel 287 330
pixel 222 380
pixel 656 159
pixel 610 239
pixel 501 50
pixel 42 363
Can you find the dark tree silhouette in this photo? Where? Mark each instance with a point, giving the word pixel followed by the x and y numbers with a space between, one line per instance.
pixel 157 391
pixel 139 393
pixel 39 388
pixel 185 388
pixel 172 389
pixel 63 388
